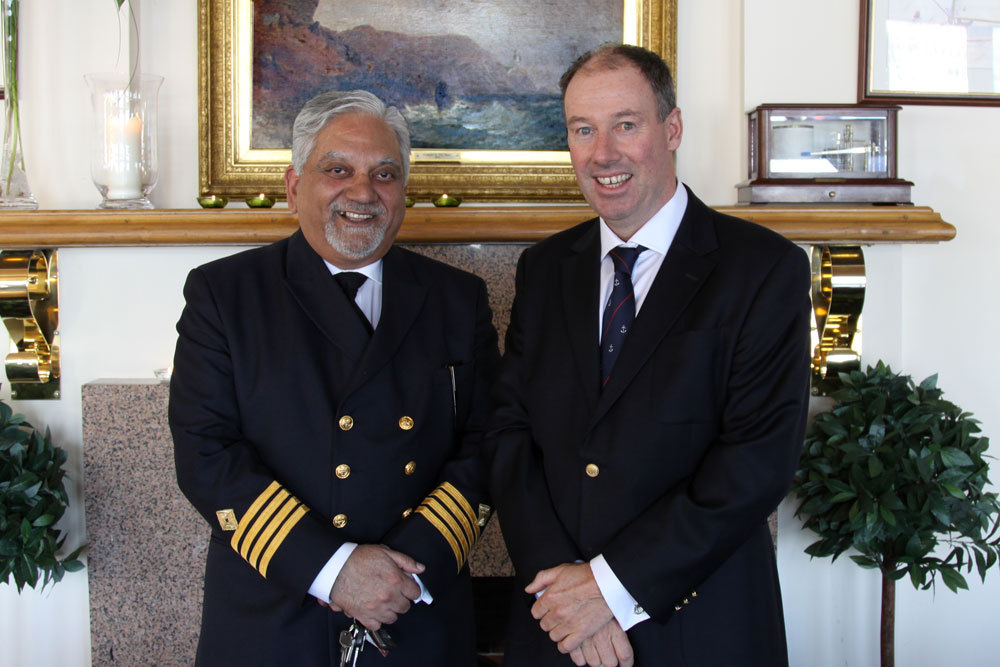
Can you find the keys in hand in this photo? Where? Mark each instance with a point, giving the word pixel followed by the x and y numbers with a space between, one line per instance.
pixel 352 641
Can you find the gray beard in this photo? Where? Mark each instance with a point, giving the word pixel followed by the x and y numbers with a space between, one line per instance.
pixel 356 245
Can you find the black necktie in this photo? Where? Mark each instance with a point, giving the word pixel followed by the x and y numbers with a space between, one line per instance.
pixel 620 311
pixel 351 282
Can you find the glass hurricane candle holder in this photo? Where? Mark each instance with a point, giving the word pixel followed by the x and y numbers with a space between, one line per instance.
pixel 123 161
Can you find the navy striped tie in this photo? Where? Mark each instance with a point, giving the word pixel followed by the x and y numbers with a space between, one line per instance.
pixel 620 311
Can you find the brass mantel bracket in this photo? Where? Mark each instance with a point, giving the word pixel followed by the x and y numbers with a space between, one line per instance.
pixel 29 305
pixel 838 295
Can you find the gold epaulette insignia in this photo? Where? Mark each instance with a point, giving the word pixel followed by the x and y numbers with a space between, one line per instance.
pixel 227 519
pixel 451 514
pixel 266 524
pixel 484 515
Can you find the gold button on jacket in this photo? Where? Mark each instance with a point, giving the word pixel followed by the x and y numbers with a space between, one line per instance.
pixel 343 471
pixel 346 423
pixel 593 470
pixel 406 423
pixel 340 520
pixel 410 467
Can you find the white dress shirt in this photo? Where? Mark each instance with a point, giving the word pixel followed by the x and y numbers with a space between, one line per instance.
pixel 369 300
pixel 656 236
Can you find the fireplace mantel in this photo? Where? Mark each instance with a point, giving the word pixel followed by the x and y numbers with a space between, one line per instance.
pixel 834 224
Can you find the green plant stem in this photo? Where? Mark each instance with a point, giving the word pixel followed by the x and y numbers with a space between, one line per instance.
pixel 13 120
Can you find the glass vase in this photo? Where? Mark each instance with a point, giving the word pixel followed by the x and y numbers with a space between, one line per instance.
pixel 123 161
pixel 14 190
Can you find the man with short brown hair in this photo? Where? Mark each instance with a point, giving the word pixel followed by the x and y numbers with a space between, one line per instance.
pixel 651 403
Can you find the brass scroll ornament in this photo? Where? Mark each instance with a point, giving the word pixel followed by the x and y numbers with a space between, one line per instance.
pixel 29 305
pixel 838 295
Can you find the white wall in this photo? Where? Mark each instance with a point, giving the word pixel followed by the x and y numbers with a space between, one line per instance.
pixel 925 312
pixel 926 307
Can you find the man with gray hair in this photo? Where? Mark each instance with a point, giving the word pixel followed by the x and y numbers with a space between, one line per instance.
pixel 327 404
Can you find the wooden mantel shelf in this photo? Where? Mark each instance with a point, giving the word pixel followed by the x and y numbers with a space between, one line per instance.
pixel 468 224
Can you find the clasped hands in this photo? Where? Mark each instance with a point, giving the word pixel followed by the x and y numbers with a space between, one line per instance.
pixel 573 612
pixel 374 585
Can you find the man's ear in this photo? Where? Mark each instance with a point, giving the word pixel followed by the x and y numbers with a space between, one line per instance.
pixel 291 188
pixel 675 128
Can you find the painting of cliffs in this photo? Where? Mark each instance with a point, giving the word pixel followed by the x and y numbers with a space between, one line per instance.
pixel 466 74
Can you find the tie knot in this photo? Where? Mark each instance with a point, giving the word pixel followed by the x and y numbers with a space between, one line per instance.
pixel 624 257
pixel 350 282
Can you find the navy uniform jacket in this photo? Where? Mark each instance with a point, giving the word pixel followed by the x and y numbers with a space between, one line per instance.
pixel 293 433
pixel 695 437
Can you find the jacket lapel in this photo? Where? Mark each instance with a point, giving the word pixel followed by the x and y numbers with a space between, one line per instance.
pixel 684 270
pixel 402 300
pixel 321 298
pixel 580 277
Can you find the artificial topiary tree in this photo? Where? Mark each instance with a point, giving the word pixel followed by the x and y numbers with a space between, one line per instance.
pixel 32 499
pixel 895 471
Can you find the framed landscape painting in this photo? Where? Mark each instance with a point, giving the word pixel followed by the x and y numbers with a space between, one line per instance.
pixel 477 81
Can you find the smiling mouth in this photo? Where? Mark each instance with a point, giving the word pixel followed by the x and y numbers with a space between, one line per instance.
pixel 613 182
pixel 356 217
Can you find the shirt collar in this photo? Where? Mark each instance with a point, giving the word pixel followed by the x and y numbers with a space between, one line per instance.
pixel 657 233
pixel 371 271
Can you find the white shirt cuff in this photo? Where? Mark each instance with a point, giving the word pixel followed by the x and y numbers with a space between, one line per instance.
pixel 626 610
pixel 425 595
pixel 323 583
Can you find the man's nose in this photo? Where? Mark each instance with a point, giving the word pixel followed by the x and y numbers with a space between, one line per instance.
pixel 361 189
pixel 605 148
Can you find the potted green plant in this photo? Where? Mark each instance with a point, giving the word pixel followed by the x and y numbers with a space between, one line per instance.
pixel 32 499
pixel 895 472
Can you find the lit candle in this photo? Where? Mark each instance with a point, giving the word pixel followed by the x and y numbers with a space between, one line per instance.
pixel 211 201
pixel 447 200
pixel 125 158
pixel 260 201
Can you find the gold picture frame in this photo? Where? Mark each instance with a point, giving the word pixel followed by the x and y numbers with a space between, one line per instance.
pixel 228 166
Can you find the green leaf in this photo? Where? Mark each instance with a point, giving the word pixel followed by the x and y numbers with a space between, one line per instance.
pixel 8 548
pixel 831 427
pixel 953 580
pixel 874 467
pixel 887 514
pixel 981 564
pixel 842 496
pixel 44 520
pixel 72 565
pixel 954 491
pixel 838 486
pixel 952 457
pixel 939 510
pixel 865 562
pixel 889 499
pixel 914 546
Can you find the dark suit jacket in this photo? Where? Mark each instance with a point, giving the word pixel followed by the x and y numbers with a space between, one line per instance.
pixel 270 358
pixel 696 436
